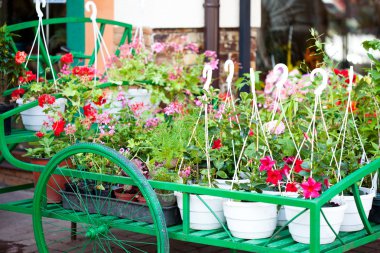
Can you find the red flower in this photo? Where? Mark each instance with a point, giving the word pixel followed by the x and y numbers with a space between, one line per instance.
pixel 285 170
pixel 250 132
pixel 297 166
pixel 83 71
pixel 288 159
pixel 67 58
pixel 353 106
pixel 58 127
pixel 291 187
pixel 16 94
pixel 90 112
pixel 274 176
pixel 20 57
pixel 217 144
pixel 21 79
pixel 344 73
pixel 223 96
pixel 266 163
pixel 100 101
pixel 30 76
pixel 40 134
pixel 326 182
pixel 46 99
pixel 311 188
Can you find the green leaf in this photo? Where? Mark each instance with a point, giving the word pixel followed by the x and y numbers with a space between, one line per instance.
pixel 221 174
pixel 218 164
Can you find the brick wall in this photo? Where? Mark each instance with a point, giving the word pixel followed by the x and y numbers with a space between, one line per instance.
pixel 229 41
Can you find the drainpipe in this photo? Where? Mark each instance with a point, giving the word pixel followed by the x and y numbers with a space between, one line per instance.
pixel 211 32
pixel 245 39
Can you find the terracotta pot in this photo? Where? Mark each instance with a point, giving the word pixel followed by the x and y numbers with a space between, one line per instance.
pixel 55 184
pixel 125 196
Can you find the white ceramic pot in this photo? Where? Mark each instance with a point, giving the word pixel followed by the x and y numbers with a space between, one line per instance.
pixel 352 221
pixel 250 220
pixel 226 184
pixel 200 216
pixel 300 227
pixel 34 117
pixel 138 95
pixel 281 218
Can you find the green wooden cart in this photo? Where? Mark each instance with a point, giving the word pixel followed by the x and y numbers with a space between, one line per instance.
pixel 95 227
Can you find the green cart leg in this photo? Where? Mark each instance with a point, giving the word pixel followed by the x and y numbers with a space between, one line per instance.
pixel 96 214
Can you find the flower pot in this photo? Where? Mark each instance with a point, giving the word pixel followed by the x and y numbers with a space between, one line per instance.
pixel 281 218
pixel 168 199
pixel 125 196
pixel 300 227
pixel 34 117
pixel 250 220
pixel 374 214
pixel 226 184
pixel 200 216
pixel 55 184
pixel 7 121
pixel 352 221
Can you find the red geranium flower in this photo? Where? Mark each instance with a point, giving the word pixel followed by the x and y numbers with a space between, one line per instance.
pixel 274 176
pixel 20 57
pixel 353 106
pixel 30 76
pixel 58 127
pixel 266 163
pixel 40 134
pixel 90 112
pixel 100 101
pixel 250 132
pixel 291 187
pixel 46 99
pixel 217 144
pixel 67 58
pixel 311 188
pixel 16 94
pixel 83 71
pixel 344 73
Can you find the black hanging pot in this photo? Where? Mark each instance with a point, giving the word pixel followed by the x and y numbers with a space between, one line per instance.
pixel 374 214
pixel 8 121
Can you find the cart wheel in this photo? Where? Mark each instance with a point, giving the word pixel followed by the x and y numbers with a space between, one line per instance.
pixel 99 221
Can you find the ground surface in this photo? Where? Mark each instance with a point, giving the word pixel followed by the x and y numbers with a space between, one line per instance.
pixel 16 235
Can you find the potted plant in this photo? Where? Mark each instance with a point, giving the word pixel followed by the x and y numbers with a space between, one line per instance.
pixel 40 154
pixel 166 198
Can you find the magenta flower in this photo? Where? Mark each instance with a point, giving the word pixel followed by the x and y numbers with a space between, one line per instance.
pixel 214 64
pixel 211 54
pixel 158 47
pixel 192 47
pixel 152 122
pixel 311 188
pixel 173 108
pixel 266 163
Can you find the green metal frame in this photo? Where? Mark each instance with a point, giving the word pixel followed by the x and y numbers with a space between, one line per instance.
pixel 126 36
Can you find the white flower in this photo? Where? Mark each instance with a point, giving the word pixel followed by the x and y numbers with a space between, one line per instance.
pixel 275 127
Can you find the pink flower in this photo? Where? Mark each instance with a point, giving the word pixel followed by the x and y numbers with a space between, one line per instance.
pixel 70 129
pixel 185 173
pixel 125 51
pixel 266 163
pixel 152 122
pixel 198 102
pixel 288 159
pixel 193 47
pixel 311 188
pixel 175 46
pixel 172 77
pixel 121 97
pixel 173 108
pixel 158 47
pixel 275 127
pixel 274 176
pixel 211 54
pixel 214 63
pixel 137 108
pixel 103 118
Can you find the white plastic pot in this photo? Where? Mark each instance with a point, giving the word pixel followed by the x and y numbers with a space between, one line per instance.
pixel 226 184
pixel 250 220
pixel 34 118
pixel 281 218
pixel 352 221
pixel 200 216
pixel 300 227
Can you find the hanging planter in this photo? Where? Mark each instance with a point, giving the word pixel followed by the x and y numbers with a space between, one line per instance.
pixel 34 118
pixel 300 227
pixel 352 221
pixel 201 218
pixel 250 220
